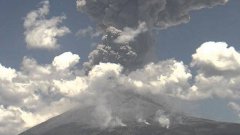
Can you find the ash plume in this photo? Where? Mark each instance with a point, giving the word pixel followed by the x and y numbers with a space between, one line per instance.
pixel 113 16
pixel 128 39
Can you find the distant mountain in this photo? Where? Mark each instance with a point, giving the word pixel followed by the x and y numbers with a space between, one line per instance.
pixel 189 126
pixel 74 123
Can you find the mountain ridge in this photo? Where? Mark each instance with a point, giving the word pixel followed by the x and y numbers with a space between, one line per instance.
pixel 189 126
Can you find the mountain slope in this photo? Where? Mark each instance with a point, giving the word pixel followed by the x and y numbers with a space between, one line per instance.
pixel 189 126
pixel 78 122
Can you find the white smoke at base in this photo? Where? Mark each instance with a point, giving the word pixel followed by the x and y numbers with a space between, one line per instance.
pixel 163 119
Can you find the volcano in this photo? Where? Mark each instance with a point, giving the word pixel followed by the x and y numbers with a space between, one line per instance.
pixel 189 126
pixel 192 126
pixel 74 123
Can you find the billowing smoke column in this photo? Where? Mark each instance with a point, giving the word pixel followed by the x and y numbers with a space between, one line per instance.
pixel 137 19
pixel 128 39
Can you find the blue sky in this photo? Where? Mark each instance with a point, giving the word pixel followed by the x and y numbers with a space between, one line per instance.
pixel 219 24
pixel 13 45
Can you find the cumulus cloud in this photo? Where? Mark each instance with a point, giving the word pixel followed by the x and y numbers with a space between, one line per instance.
pixel 10 117
pixel 27 95
pixel 217 58
pixel 71 87
pixel 107 96
pixel 15 117
pixel 41 32
pixel 36 89
pixel 7 73
pixel 217 65
pixel 65 61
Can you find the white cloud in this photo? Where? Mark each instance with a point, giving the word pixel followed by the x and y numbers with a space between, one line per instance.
pixel 41 32
pixel 9 118
pixel 108 69
pixel 14 119
pixel 35 89
pixel 167 77
pixel 218 68
pixel 33 70
pixel 7 73
pixel 216 58
pixel 65 61
pixel 43 88
pixel 235 107
pixel 27 95
pixel 71 87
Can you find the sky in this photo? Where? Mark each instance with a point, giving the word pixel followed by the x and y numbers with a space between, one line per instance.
pixel 44 49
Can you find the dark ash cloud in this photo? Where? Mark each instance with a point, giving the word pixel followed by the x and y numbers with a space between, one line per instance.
pixel 118 15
